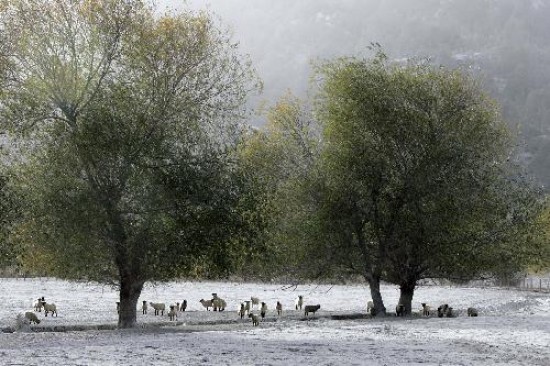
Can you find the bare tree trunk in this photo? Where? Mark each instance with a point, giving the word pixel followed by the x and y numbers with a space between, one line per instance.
pixel 406 295
pixel 374 284
pixel 130 290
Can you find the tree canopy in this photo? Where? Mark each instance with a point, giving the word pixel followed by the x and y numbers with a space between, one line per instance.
pixel 127 124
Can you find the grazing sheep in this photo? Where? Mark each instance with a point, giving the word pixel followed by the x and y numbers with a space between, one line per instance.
pixel 242 310
pixel 219 304
pixel 299 302
pixel 49 308
pixel 206 303
pixel 32 317
pixel 311 309
pixel 173 313
pixel 279 308
pixel 255 301
pixel 400 310
pixel 370 307
pixel 183 305
pixel 158 307
pixel 263 310
pixel 426 309
pixel 255 320
pixel 144 307
pixel 472 311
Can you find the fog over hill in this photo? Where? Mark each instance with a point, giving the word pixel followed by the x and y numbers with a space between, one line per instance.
pixel 504 42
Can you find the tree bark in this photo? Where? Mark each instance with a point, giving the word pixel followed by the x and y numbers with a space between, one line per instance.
pixel 374 284
pixel 130 290
pixel 406 295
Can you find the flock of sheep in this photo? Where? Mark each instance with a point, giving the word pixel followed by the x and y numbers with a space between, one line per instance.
pixel 246 308
pixel 443 310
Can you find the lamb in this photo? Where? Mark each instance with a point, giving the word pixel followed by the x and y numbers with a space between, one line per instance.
pixel 173 313
pixel 144 307
pixel 255 320
pixel 183 305
pixel 158 307
pixel 255 301
pixel 32 317
pixel 49 308
pixel 370 307
pixel 311 309
pixel 426 309
pixel 206 303
pixel 279 308
pixel 299 302
pixel 400 310
pixel 472 311
pixel 263 310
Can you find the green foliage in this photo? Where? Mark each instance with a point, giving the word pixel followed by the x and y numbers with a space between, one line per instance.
pixel 415 161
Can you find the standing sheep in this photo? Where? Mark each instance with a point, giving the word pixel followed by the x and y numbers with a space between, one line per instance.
pixel 263 310
pixel 426 309
pixel 38 304
pixel 49 308
pixel 299 302
pixel 255 301
pixel 255 320
pixel 242 310
pixel 443 310
pixel 472 311
pixel 206 303
pixel 183 305
pixel 370 307
pixel 173 313
pixel 279 308
pixel 158 307
pixel 219 304
pixel 311 309
pixel 144 307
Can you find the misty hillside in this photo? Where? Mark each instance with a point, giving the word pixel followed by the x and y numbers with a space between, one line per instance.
pixel 505 42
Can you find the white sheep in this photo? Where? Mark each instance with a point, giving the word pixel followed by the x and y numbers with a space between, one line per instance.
pixel 49 308
pixel 255 320
pixel 426 309
pixel 311 309
pixel 206 303
pixel 37 305
pixel 247 307
pixel 255 301
pixel 218 304
pixel 158 307
pixel 299 302
pixel 279 308
pixel 173 313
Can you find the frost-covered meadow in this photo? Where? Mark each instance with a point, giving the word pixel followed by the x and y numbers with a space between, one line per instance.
pixel 513 327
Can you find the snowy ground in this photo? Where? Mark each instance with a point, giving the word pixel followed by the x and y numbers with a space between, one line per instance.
pixel 513 327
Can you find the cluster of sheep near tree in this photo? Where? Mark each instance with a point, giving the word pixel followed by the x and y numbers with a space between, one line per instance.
pixel 443 310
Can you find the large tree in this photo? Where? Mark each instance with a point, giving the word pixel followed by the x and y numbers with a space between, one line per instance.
pixel 418 182
pixel 128 120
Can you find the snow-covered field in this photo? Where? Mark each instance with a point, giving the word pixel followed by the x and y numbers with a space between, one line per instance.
pixel 513 327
